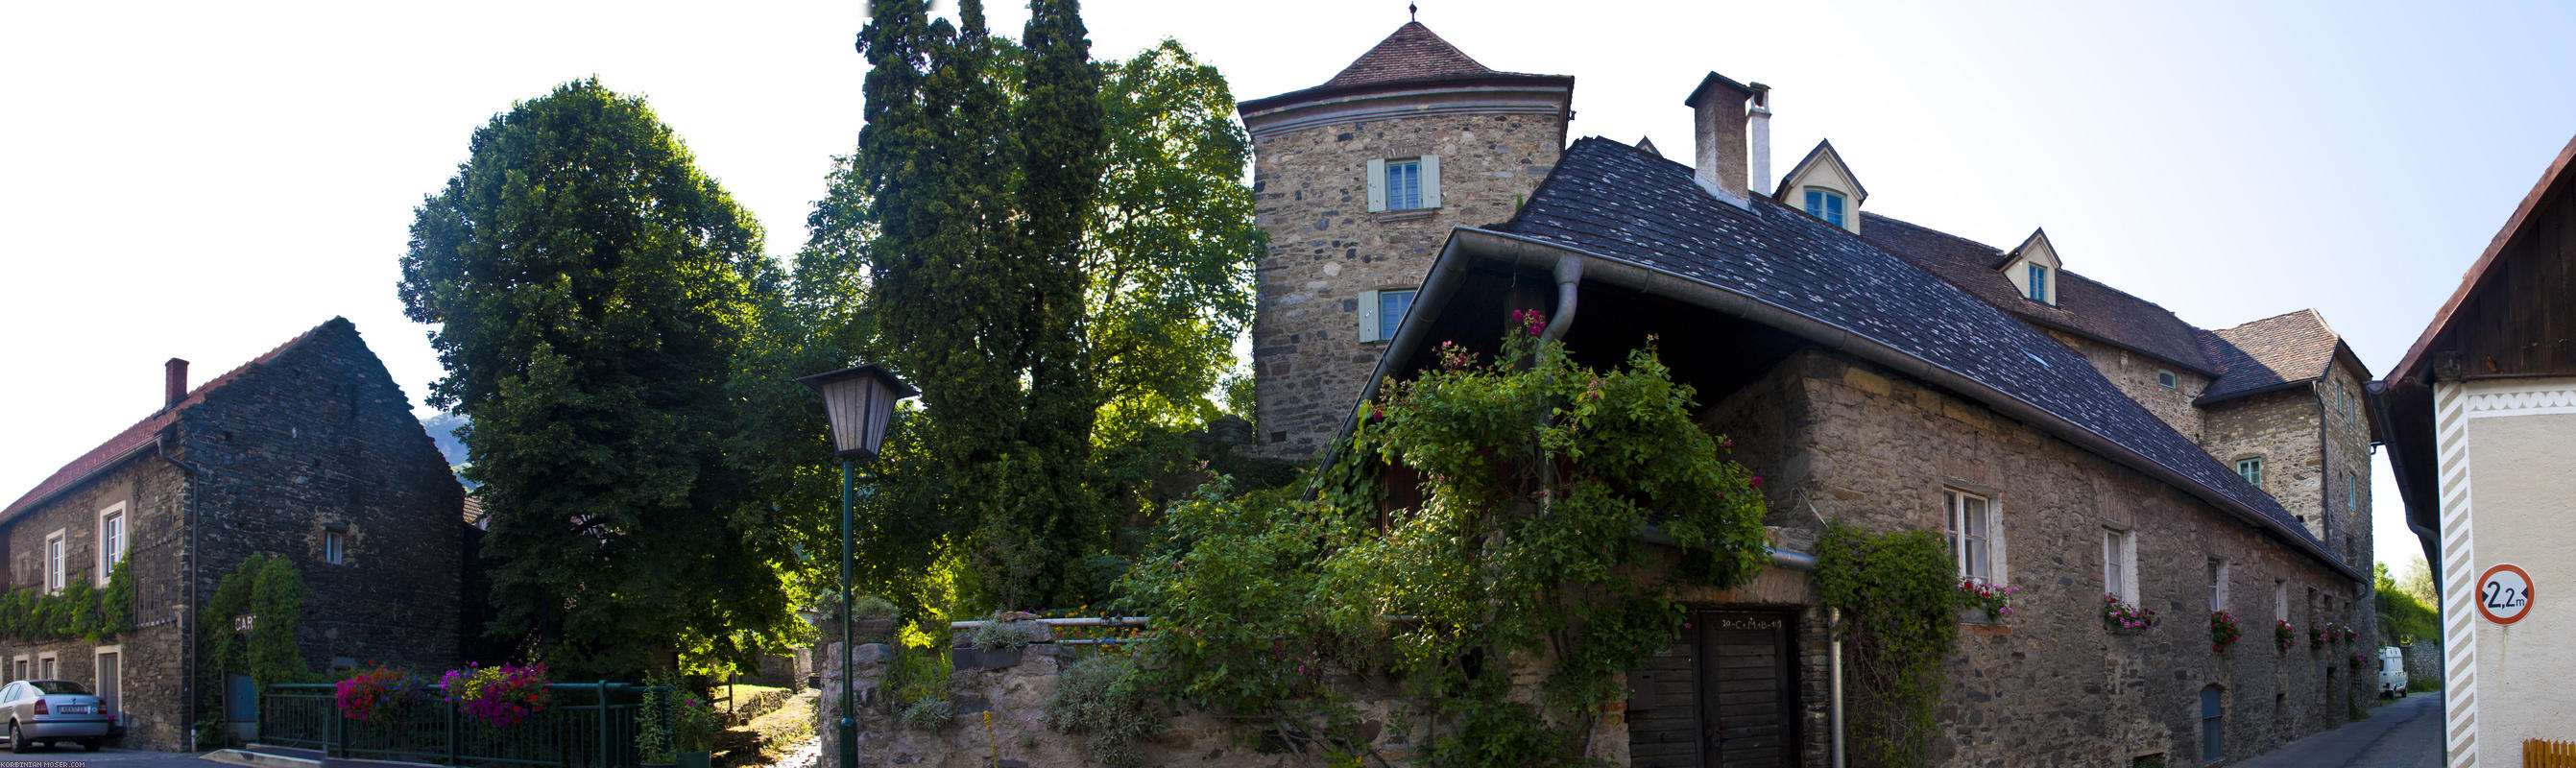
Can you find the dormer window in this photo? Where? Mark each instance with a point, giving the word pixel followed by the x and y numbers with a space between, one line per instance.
pixel 2039 284
pixel 1825 204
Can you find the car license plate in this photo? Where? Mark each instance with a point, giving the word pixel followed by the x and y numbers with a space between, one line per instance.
pixel 78 709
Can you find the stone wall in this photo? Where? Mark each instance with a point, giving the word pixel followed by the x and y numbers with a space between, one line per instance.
pixel 321 440
pixel 1311 195
pixel 1844 440
pixel 151 668
pixel 999 701
pixel 2135 375
pixel 2281 427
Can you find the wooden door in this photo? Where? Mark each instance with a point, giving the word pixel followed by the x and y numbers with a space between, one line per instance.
pixel 1748 691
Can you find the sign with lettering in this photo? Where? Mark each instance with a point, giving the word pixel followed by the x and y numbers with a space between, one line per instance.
pixel 2504 594
pixel 244 622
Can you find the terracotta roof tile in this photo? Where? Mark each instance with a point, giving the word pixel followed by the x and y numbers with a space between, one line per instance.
pixel 2272 351
pixel 1412 53
pixel 141 434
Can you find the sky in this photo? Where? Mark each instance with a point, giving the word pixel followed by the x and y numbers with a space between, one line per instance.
pixel 207 180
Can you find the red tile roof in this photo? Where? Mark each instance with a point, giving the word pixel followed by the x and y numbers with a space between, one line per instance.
pixel 1412 53
pixel 140 435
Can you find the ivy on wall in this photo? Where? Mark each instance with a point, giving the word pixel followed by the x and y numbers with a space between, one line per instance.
pixel 77 612
pixel 270 589
pixel 1899 603
pixel 1536 478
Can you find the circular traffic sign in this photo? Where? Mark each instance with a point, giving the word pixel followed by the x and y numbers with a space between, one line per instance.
pixel 2504 594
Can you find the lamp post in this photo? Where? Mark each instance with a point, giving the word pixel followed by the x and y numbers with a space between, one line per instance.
pixel 860 400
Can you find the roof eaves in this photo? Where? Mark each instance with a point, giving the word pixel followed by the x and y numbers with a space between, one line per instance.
pixel 2412 364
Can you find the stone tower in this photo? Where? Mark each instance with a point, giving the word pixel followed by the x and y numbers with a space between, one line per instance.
pixel 1358 182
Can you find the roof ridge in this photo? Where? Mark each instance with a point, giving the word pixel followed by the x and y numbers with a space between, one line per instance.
pixel 130 437
pixel 2321 320
pixel 1412 46
pixel 1885 217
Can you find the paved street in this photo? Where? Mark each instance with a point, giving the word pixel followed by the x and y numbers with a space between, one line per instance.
pixel 106 758
pixel 2404 734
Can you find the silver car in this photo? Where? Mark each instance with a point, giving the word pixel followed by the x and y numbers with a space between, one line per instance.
pixel 53 712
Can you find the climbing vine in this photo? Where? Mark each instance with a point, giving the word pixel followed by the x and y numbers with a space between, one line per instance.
pixel 1538 481
pixel 76 612
pixel 270 589
pixel 1899 614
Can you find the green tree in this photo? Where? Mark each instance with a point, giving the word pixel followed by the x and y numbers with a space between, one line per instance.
pixel 2403 616
pixel 593 290
pixel 1058 253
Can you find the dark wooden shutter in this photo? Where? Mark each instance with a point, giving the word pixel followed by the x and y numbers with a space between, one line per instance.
pixel 1748 694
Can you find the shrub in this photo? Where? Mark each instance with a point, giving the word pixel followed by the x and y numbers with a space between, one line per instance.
pixel 1101 700
pixel 928 716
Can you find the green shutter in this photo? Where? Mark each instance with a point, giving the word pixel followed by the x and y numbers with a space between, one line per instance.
pixel 1377 191
pixel 1368 299
pixel 1430 181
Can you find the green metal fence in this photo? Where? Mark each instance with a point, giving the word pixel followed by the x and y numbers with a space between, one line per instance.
pixel 585 725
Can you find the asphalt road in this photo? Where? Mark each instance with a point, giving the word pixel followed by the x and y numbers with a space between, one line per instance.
pixel 2404 734
pixel 75 757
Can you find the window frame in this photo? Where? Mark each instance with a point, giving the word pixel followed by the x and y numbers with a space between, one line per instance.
pixel 1954 503
pixel 2119 564
pixel 111 701
pixel 335 548
pixel 49 666
pixel 1426 182
pixel 1828 204
pixel 1370 309
pixel 2037 274
pixel 112 549
pixel 2219 575
pixel 57 565
pixel 2281 599
pixel 2166 378
pixel 2254 463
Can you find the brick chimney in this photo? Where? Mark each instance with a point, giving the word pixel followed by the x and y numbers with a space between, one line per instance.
pixel 174 383
pixel 1717 122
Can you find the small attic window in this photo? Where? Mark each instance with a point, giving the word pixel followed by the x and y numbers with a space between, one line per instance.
pixel 1825 204
pixel 2165 378
pixel 2039 284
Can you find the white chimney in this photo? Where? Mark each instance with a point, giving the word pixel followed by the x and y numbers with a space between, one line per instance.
pixel 1717 122
pixel 1757 133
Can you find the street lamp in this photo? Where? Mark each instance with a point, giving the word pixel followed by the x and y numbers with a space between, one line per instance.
pixel 860 400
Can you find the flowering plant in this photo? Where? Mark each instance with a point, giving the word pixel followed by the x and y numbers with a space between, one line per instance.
pixel 2283 635
pixel 2350 634
pixel 2223 631
pixel 2121 615
pixel 376 690
pixel 500 695
pixel 1996 600
pixel 2317 636
pixel 2358 659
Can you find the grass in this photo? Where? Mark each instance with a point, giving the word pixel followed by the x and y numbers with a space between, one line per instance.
pixel 2424 685
pixel 769 736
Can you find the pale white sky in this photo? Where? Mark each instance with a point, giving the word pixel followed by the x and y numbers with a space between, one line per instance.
pixel 206 180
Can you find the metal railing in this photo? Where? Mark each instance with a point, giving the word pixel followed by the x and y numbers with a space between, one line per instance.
pixel 584 725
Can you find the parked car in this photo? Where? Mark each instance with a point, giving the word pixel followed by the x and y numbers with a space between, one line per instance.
pixel 2392 672
pixel 53 712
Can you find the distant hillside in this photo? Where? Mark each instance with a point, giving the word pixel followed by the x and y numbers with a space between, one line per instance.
pixel 442 429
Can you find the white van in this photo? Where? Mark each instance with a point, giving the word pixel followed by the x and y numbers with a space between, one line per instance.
pixel 2392 672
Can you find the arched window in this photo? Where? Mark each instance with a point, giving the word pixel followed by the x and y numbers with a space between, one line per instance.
pixel 1825 204
pixel 2213 728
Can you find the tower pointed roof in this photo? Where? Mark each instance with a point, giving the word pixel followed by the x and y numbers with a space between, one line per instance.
pixel 1411 58
pixel 1412 53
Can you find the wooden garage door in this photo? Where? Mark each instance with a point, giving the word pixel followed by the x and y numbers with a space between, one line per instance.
pixel 1747 693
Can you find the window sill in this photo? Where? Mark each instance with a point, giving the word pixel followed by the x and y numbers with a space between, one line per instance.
pixel 1408 214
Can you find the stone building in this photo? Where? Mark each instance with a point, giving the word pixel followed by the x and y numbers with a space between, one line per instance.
pixel 2481 418
pixel 310 453
pixel 2074 441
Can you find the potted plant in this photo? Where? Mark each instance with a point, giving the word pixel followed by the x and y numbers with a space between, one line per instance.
pixel 2120 616
pixel 376 691
pixel 1995 601
pixel 2223 631
pixel 499 695
pixel 2283 635
pixel 694 725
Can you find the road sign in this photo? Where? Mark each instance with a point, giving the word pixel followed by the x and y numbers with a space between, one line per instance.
pixel 2504 594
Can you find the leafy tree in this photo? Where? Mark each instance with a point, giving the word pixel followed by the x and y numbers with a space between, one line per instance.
pixel 1058 253
pixel 593 290
pixel 2403 616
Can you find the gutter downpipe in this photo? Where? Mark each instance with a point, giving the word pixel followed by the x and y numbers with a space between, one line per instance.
pixel 1513 249
pixel 188 659
pixel 1569 273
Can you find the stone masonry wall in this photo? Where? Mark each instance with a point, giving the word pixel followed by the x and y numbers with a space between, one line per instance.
pixel 150 661
pixel 2051 686
pixel 2281 427
pixel 319 439
pixel 1311 195
pixel 2135 375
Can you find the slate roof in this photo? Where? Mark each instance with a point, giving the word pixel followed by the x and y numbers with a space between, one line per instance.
pixel 2272 351
pixel 140 435
pixel 1612 200
pixel 1412 56
pixel 2084 307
